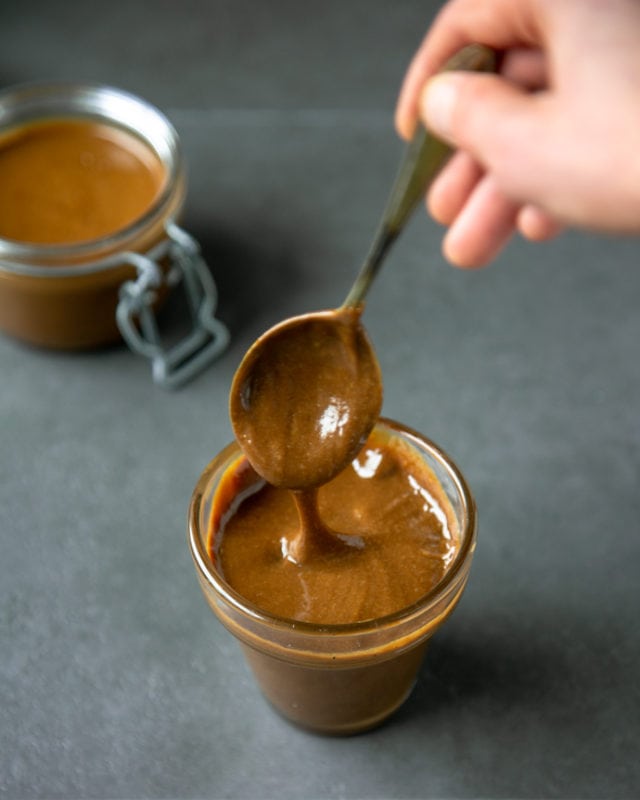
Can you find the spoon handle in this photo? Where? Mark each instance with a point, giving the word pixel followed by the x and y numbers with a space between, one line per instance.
pixel 424 157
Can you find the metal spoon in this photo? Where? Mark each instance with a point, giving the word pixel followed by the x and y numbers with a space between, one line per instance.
pixel 424 158
pixel 309 391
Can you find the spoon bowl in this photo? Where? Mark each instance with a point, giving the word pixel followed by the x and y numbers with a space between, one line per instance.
pixel 305 398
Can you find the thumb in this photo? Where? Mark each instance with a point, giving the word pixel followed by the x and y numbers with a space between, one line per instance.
pixel 501 126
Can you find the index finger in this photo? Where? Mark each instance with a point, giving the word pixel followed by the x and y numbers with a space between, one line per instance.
pixel 499 24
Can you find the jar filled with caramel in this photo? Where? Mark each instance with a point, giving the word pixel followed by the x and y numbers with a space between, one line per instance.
pixel 336 645
pixel 92 185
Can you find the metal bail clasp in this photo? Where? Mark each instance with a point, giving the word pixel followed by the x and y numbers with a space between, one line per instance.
pixel 136 318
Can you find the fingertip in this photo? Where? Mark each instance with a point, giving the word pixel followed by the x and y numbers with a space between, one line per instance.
pixel 461 257
pixel 404 123
pixel 436 208
pixel 452 187
pixel 407 110
pixel 536 225
pixel 437 103
pixel 482 228
pixel 463 251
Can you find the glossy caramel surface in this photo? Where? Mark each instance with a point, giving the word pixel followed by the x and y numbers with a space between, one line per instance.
pixel 65 181
pixel 394 529
pixel 306 396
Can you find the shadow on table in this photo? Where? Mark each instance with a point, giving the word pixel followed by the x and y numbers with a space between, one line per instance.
pixel 252 274
pixel 491 672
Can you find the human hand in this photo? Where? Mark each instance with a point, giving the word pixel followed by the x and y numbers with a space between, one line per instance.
pixel 552 140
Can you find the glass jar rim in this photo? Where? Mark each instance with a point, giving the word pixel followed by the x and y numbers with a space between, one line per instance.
pixel 403 615
pixel 32 102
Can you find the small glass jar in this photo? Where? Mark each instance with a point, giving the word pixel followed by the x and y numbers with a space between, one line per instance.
pixel 91 293
pixel 336 679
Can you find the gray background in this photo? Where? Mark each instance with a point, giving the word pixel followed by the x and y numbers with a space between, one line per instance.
pixel 116 680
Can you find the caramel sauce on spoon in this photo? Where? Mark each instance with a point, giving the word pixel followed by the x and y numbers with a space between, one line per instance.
pixel 309 391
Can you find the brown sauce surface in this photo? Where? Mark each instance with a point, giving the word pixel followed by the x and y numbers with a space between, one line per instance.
pixel 66 181
pixel 397 531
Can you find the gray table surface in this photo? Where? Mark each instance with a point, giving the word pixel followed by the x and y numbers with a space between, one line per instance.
pixel 115 679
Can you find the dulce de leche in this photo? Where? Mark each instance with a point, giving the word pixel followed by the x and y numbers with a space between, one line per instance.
pixel 388 510
pixel 65 181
